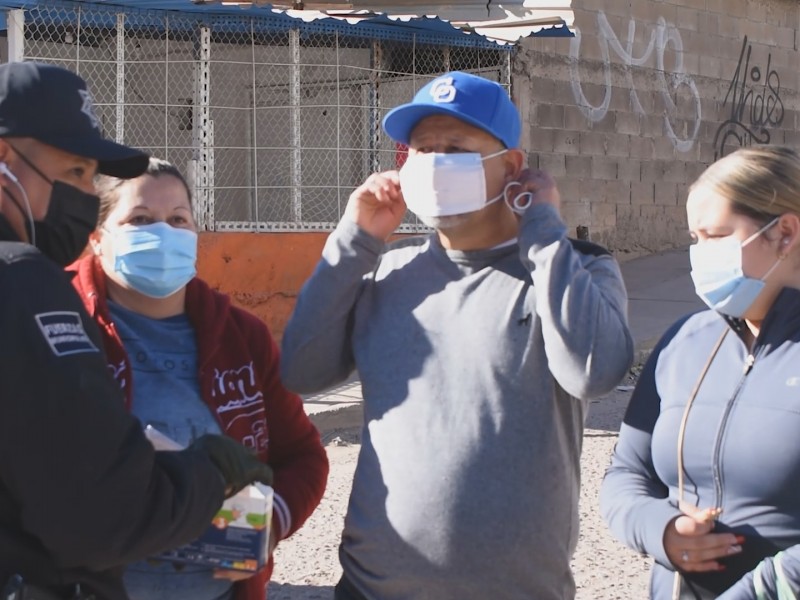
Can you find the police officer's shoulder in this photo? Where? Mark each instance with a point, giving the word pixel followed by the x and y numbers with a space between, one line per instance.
pixel 21 257
pixel 588 248
pixel 11 252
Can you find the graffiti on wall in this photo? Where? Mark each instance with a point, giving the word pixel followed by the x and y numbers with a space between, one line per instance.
pixel 663 38
pixel 753 105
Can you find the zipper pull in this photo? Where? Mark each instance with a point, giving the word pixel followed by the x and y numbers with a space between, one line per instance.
pixel 748 363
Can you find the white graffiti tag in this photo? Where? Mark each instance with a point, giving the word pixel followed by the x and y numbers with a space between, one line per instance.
pixel 661 36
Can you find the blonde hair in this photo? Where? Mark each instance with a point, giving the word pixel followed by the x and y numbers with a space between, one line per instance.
pixel 761 182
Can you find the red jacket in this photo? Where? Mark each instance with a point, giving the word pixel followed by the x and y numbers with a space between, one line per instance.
pixel 238 364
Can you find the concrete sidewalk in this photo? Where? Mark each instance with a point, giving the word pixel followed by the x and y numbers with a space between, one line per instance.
pixel 660 291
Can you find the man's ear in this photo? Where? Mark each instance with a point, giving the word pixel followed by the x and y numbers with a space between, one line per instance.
pixel 514 160
pixel 5 150
pixel 6 176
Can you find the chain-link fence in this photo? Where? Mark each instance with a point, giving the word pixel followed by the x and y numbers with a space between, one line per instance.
pixel 273 120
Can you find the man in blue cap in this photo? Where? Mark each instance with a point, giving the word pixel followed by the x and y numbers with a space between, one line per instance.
pixel 478 347
pixel 82 491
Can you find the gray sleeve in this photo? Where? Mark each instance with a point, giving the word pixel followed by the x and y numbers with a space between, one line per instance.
pixel 775 578
pixel 582 303
pixel 316 346
pixel 633 502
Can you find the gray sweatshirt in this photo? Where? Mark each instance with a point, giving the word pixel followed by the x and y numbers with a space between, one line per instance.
pixel 476 368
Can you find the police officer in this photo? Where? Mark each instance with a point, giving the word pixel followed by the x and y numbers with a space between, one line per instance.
pixel 82 491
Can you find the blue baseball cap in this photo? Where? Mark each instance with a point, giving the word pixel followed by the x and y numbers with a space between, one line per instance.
pixel 470 98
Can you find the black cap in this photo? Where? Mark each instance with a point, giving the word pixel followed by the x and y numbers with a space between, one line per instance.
pixel 52 105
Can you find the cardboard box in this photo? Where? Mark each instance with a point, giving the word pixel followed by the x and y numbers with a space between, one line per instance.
pixel 238 537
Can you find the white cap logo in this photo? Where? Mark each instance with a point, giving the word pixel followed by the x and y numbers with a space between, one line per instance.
pixel 88 108
pixel 443 91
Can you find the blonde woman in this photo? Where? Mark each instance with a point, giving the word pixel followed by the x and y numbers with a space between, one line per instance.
pixel 705 475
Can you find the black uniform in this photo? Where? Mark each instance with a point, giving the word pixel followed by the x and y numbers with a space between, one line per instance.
pixel 81 490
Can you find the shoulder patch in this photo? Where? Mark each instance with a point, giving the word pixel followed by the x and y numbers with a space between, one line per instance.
pixel 64 333
pixel 585 247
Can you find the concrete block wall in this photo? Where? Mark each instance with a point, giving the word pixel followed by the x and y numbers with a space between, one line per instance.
pixel 628 113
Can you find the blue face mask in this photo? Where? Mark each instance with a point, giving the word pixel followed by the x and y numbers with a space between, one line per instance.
pixel 718 277
pixel 156 260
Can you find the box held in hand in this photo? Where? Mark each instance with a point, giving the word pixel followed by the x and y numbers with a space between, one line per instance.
pixel 238 537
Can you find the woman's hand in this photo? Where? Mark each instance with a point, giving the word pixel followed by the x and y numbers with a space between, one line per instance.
pixel 691 546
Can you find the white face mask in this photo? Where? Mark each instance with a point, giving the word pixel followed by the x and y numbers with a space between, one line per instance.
pixel 440 185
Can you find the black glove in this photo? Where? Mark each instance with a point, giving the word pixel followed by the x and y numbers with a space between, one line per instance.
pixel 239 466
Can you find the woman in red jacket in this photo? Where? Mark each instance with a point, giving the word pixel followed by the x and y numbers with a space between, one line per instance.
pixel 189 363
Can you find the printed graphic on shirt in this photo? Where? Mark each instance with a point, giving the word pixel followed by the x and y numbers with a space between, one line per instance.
pixel 237 393
pixel 238 384
pixel 259 438
pixel 118 373
pixel 153 360
pixel 64 333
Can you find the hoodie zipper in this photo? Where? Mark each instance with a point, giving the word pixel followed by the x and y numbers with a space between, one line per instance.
pixel 717 467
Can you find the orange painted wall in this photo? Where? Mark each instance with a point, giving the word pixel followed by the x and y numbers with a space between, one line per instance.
pixel 261 272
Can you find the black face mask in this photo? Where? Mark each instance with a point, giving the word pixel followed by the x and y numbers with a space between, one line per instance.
pixel 71 217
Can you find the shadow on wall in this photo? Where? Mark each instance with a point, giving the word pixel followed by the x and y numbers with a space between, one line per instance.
pixel 287 591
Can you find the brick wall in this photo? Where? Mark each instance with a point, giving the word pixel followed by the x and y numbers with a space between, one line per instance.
pixel 629 112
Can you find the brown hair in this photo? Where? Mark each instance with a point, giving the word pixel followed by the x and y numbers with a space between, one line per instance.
pixel 761 182
pixel 108 187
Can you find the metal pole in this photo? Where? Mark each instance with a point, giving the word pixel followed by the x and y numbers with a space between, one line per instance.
pixel 340 210
pixel 78 45
pixel 120 77
pixel 375 116
pixel 203 134
pixel 166 88
pixel 254 136
pixel 507 74
pixel 16 35
pixel 294 92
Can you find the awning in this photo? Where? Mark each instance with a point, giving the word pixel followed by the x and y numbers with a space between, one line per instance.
pixel 503 22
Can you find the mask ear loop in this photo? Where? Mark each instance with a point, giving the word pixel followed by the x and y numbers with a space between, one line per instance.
pixel 27 211
pixel 760 231
pixel 517 205
pixel 676 582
